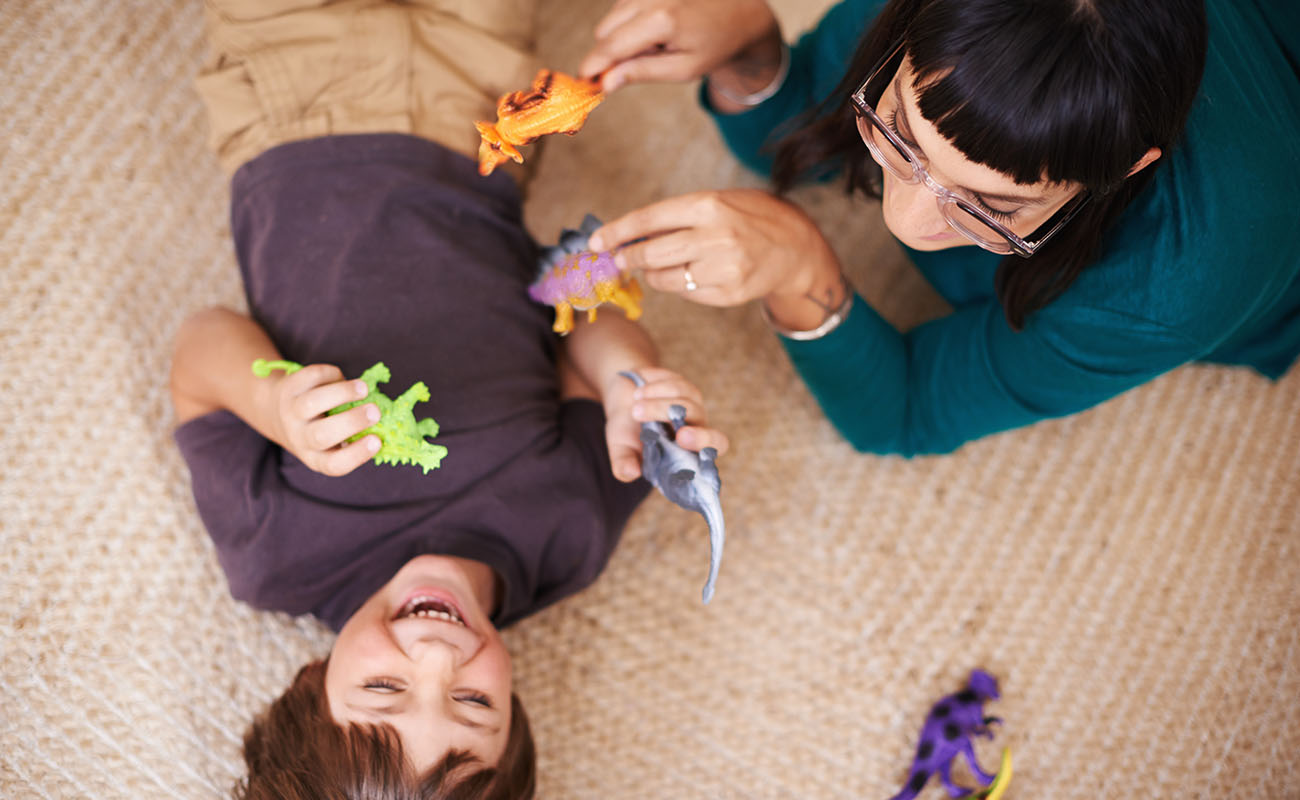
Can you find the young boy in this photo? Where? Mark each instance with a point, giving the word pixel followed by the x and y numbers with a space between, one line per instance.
pixel 365 233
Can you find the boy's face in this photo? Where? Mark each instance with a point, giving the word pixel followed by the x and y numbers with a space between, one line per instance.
pixel 422 655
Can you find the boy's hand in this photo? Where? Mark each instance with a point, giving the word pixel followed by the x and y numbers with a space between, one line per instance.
pixel 302 426
pixel 626 407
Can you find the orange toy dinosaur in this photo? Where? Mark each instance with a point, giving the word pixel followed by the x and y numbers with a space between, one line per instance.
pixel 555 103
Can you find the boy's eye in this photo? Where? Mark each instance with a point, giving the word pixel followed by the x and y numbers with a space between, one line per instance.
pixel 381 685
pixel 475 698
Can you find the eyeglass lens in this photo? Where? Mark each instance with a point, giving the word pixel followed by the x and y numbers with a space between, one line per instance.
pixel 887 153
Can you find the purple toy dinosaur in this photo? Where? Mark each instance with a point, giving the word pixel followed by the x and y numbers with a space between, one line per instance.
pixel 947 733
pixel 571 277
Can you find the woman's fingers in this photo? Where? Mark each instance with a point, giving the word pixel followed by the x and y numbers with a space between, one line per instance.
pixel 633 36
pixel 622 11
pixel 659 252
pixel 675 213
pixel 653 66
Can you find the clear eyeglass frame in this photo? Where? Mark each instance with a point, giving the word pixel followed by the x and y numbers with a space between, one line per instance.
pixel 997 239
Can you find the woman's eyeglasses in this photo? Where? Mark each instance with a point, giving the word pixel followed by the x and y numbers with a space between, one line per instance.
pixel 962 213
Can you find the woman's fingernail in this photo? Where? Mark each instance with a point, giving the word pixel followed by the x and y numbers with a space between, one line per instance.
pixel 372 413
pixel 596 244
pixel 638 411
pixel 372 444
pixel 360 388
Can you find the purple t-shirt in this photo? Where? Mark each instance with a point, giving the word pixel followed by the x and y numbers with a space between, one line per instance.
pixel 386 247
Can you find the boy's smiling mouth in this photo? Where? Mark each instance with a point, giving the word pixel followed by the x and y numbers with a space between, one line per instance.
pixel 427 606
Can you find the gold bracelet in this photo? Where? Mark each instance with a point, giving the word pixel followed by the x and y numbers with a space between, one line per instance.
pixel 829 324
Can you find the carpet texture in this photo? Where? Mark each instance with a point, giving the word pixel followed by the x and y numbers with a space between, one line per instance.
pixel 1130 574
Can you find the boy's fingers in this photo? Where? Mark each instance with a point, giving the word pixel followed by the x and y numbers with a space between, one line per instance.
pixel 669 387
pixel 658 409
pixel 349 457
pixel 329 432
pixel 311 376
pixel 697 437
pixel 624 452
pixel 324 397
pixel 627 468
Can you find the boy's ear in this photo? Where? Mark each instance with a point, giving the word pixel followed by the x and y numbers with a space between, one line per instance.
pixel 1147 159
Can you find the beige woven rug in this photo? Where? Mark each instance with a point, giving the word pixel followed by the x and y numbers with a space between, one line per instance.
pixel 1131 574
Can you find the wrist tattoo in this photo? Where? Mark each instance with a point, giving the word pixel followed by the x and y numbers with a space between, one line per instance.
pixel 832 300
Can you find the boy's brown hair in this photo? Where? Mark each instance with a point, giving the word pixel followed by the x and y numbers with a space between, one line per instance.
pixel 296 751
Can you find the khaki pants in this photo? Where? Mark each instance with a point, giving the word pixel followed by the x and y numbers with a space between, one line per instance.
pixel 282 70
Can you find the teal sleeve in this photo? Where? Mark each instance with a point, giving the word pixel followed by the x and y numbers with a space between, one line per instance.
pixel 969 374
pixel 817 64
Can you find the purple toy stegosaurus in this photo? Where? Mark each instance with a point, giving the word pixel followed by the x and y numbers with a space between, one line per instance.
pixel 572 277
pixel 948 732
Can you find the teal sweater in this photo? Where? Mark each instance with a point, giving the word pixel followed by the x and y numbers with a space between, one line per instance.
pixel 1203 266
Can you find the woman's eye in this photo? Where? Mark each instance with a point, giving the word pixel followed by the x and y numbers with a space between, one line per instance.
pixel 998 214
pixel 893 126
pixel 475 698
pixel 381 685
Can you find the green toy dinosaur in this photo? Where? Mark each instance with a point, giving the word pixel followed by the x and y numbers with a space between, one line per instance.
pixel 401 436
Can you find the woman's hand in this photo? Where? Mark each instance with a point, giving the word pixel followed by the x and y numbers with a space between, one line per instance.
pixel 302 425
pixel 672 41
pixel 734 245
pixel 627 406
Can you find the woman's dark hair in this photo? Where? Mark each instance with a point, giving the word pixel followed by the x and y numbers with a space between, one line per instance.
pixel 295 751
pixel 1067 90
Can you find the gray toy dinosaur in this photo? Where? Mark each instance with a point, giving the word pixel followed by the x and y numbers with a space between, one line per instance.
pixel 686 478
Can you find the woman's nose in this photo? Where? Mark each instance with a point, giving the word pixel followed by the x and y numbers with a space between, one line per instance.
pixel 915 207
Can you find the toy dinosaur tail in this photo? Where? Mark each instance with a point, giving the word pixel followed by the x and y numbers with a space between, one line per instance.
pixel 712 511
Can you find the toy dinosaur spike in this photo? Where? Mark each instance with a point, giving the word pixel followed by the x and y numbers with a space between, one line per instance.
pixel 572 277
pixel 401 436
pixel 555 103
pixel 688 479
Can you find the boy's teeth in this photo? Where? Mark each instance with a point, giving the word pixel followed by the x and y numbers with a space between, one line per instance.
pixel 430 608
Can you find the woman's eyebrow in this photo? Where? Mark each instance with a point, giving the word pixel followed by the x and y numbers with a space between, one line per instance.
pixel 902 124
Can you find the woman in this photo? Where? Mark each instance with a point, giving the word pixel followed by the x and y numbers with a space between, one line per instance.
pixel 1095 211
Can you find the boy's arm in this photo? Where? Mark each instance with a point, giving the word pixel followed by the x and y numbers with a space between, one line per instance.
pixel 212 371
pixel 210 349
pixel 591 359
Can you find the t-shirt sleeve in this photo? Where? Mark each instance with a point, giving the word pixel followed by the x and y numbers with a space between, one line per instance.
pixel 818 61
pixel 969 374
pixel 230 464
pixel 582 422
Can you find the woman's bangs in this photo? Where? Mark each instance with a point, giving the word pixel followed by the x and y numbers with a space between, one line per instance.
pixel 1030 101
